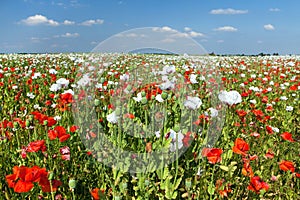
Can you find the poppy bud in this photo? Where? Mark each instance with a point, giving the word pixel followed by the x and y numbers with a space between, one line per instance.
pixel 72 184
pixel 144 100
pixel 27 123
pixel 147 183
pixel 129 88
pixel 164 95
pixel 102 80
pixel 143 93
pixel 97 102
pixel 188 183
pixel 50 176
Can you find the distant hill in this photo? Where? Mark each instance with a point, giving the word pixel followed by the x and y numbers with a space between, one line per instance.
pixel 152 51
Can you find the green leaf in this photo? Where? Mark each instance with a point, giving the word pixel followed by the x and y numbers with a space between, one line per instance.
pixel 225 168
pixel 211 189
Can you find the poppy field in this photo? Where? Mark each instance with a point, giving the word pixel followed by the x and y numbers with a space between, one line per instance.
pixel 186 127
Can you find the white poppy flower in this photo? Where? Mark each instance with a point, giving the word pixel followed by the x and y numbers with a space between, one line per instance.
pixel 289 108
pixel 55 87
pixel 192 102
pixel 231 97
pixel 124 77
pixel 193 78
pixel 52 71
pixel 283 98
pixel 138 97
pixel 159 98
pixel 68 91
pixel 253 101
pixel 213 112
pixel 30 95
pixel 168 70
pixel 112 117
pixel 84 80
pixel 63 82
pixel 176 137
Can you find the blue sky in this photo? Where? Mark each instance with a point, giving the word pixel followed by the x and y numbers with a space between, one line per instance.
pixel 220 26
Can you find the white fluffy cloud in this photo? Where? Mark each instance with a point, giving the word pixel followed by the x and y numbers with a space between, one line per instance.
pixel 67 22
pixel 187 29
pixel 196 34
pixel 274 9
pixel 228 11
pixel 70 35
pixel 39 20
pixel 269 27
pixel 92 22
pixel 164 29
pixel 176 34
pixel 226 29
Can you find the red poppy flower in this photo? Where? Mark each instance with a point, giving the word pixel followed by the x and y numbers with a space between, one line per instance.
pixel 23 178
pixel 73 128
pixel 294 87
pixel 287 136
pixel 265 99
pixel 96 193
pixel 58 132
pixel 240 147
pixel 247 169
pixel 187 138
pixel 269 129
pixel 213 154
pixel 287 166
pixel 269 154
pixel 129 115
pixel 241 113
pixel 35 146
pixel 258 113
pixel 226 189
pixel 256 184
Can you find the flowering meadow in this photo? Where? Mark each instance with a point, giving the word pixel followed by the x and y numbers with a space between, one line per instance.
pixel 231 127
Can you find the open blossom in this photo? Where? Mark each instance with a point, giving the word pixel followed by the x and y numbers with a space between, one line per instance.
pixel 138 97
pixel 55 87
pixel 30 95
pixel 286 165
pixel 112 117
pixel 168 70
pixel 287 136
pixel 212 112
pixel 176 137
pixel 213 155
pixel 256 184
pixel 193 78
pixel 289 108
pixel 65 153
pixel 192 102
pixel 231 97
pixel 159 98
pixel 23 179
pixel 63 82
pixel 283 98
pixel 240 147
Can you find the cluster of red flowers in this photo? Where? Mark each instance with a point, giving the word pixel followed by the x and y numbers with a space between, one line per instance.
pixel 35 146
pixel 60 133
pixel 64 101
pixel 44 119
pixel 23 179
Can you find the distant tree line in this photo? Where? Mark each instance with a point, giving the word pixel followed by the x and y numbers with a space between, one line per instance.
pixel 260 54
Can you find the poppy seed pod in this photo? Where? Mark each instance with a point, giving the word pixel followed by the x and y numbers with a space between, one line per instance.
pixel 72 184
